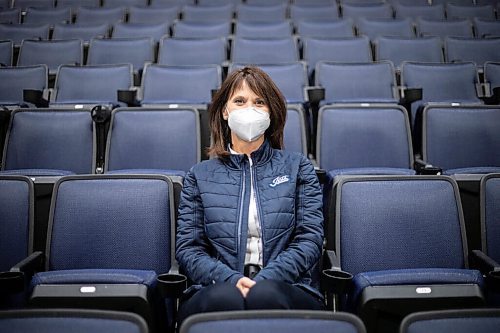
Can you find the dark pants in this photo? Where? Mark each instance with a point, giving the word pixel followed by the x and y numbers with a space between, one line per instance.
pixel 266 294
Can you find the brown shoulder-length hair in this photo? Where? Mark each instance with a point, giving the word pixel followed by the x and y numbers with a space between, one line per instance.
pixel 262 85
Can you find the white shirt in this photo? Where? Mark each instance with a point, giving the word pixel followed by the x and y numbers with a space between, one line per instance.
pixel 254 240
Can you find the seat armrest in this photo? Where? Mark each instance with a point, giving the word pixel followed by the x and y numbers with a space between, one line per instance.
pixel 423 168
pixel 333 279
pixel 489 267
pixel 128 97
pixel 493 98
pixel 322 176
pixel 171 285
pixel 315 94
pixel 14 280
pixel 31 264
pixel 35 97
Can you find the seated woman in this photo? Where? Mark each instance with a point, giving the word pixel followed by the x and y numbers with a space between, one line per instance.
pixel 250 227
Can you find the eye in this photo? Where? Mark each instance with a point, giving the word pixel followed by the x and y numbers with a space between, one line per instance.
pixel 239 101
pixel 260 102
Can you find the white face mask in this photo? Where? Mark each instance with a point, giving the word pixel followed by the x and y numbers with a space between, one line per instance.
pixel 249 123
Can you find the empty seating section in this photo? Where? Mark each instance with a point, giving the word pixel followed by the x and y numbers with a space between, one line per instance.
pixel 395 102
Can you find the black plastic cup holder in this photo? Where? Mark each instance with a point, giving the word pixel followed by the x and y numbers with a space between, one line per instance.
pixel 11 282
pixel 336 281
pixel 171 285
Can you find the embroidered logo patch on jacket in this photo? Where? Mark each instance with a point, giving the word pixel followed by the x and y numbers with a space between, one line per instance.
pixel 279 180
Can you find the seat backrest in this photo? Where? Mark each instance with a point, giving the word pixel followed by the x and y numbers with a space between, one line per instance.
pixel 6 52
pixel 374 28
pixel 461 137
pixel 452 321
pixel 208 13
pixel 192 51
pixel 124 3
pixel 153 15
pixel 17 32
pixel 53 53
pixel 444 28
pixel 472 49
pixel 50 139
pixel 13 80
pixel 356 49
pixel 490 215
pixel 357 82
pixel 260 13
pixel 74 4
pixel 359 137
pixel 280 29
pixel 145 138
pixel 180 84
pixel 24 4
pixel 398 50
pixel 295 133
pixel 16 220
pixel 78 321
pixel 47 15
pixel 358 11
pixel 134 51
pixel 451 82
pixel 436 11
pixel 317 13
pixel 264 50
pixel 492 74
pixel 325 29
pixel 101 83
pixel 278 321
pixel 137 30
pixel 469 11
pixel 10 15
pixel 91 227
pixel 291 79
pixel 83 31
pixel 201 29
pixel 398 222
pixel 486 28
pixel 100 15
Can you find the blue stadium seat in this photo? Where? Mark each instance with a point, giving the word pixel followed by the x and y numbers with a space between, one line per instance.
pixel 357 82
pixel 315 13
pixel 454 11
pixel 278 321
pixel 201 29
pixel 374 28
pixel 134 51
pixel 356 49
pixel 50 142
pixel 101 85
pixel 222 13
pixel 120 250
pixel 444 28
pixel 74 4
pixel 17 32
pixel 6 52
pixel 153 15
pixel 259 13
pixel 490 214
pixel 10 16
pixel 13 80
pixel 124 3
pixel 148 140
pixel 492 77
pixel 476 50
pixel 76 320
pixel 388 232
pixel 461 140
pixel 170 3
pixel 99 15
pixel 486 28
pixel 174 85
pixel 24 4
pixel 49 16
pixel 257 29
pixel 192 51
pixel 398 50
pixel 364 10
pixel 52 53
pixel 296 130
pixel 453 321
pixel 325 29
pixel 136 30
pixel 83 31
pixel 264 50
pixel 414 11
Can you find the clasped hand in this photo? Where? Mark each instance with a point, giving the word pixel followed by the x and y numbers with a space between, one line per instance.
pixel 244 284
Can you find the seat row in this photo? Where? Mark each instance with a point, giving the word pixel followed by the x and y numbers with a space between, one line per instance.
pixel 397 240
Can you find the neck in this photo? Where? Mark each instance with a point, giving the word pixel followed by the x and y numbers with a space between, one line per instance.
pixel 244 147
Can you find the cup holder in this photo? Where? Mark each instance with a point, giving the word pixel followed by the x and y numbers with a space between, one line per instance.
pixel 11 282
pixel 171 285
pixel 335 281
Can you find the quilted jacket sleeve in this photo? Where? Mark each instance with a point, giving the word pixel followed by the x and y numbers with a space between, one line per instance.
pixel 304 249
pixel 192 247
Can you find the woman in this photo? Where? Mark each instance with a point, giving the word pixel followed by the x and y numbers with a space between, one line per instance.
pixel 250 227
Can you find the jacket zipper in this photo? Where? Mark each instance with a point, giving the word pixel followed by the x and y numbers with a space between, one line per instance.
pixel 240 217
pixel 259 211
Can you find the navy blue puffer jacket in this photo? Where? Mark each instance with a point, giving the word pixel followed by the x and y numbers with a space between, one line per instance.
pixel 213 218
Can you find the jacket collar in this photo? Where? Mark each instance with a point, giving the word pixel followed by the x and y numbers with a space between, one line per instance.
pixel 260 156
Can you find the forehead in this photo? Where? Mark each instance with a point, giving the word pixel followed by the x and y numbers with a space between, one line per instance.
pixel 243 89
